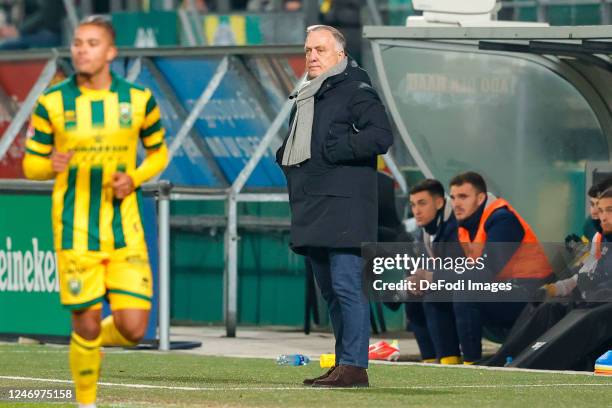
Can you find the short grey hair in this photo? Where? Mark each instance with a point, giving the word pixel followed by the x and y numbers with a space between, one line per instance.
pixel 338 36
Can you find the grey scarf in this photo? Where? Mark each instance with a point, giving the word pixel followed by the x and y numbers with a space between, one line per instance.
pixel 297 149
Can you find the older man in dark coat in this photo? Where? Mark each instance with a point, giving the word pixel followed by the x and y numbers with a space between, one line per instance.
pixel 338 127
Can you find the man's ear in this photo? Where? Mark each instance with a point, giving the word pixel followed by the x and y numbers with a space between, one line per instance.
pixel 439 202
pixel 112 54
pixel 481 198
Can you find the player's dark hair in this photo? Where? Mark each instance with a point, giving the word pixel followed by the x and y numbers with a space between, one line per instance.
pixel 604 184
pixel 594 191
pixel 432 186
pixel 606 193
pixel 472 178
pixel 102 22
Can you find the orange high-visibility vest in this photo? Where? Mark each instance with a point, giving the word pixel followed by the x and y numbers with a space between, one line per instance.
pixel 597 245
pixel 528 262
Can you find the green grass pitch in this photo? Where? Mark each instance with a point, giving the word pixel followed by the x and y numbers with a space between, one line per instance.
pixel 154 379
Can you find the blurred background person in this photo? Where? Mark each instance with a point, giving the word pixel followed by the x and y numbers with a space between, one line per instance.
pixel 346 15
pixel 200 5
pixel 39 26
pixel 270 5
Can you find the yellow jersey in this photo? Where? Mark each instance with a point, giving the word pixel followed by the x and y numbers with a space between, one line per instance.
pixel 102 128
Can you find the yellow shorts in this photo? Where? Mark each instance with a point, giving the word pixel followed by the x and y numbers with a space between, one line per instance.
pixel 123 276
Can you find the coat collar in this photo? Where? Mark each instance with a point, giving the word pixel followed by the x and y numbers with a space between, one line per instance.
pixel 473 221
pixel 352 72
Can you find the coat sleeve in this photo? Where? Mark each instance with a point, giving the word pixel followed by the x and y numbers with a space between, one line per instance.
pixel 369 134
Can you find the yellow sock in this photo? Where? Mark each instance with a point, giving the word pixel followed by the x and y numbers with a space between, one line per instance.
pixel 450 360
pixel 85 367
pixel 110 334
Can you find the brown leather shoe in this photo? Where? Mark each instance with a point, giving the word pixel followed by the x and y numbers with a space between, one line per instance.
pixel 345 376
pixel 310 381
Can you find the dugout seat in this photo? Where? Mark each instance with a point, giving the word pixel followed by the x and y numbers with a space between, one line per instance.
pixel 574 343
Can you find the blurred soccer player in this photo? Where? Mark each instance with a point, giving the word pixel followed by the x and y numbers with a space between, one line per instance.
pixel 86 132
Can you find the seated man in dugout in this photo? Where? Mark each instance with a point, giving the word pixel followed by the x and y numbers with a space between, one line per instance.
pixel 433 322
pixel 495 230
pixel 589 285
pixel 565 287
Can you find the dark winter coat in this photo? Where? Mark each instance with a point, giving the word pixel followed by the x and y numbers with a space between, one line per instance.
pixel 333 195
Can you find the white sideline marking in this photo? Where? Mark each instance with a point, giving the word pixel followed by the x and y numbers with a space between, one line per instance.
pixel 481 367
pixel 429 387
pixel 118 350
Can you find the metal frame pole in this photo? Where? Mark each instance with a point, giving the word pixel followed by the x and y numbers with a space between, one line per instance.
pixel 182 113
pixel 272 131
pixel 164 264
pixel 135 70
pixel 374 12
pixel 28 105
pixel 71 13
pixel 606 12
pixel 199 106
pixel 541 9
pixel 515 12
pixel 230 277
pixel 187 28
pixel 194 21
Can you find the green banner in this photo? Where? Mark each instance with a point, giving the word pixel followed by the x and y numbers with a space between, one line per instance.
pixel 153 29
pixel 29 286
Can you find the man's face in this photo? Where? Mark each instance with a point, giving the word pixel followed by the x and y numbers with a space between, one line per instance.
pixel 92 49
pixel 322 53
pixel 604 207
pixel 593 208
pixel 425 207
pixel 465 200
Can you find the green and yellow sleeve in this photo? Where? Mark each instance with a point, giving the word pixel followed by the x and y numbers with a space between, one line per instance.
pixel 152 132
pixel 38 148
pixel 152 137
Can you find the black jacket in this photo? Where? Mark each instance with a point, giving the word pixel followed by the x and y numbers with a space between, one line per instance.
pixel 333 195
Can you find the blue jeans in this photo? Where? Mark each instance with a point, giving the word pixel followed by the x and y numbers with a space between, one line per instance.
pixel 339 276
pixel 497 314
pixel 441 325
pixel 472 316
pixel 418 324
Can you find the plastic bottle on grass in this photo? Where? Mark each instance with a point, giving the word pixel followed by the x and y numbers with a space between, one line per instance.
pixel 292 360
